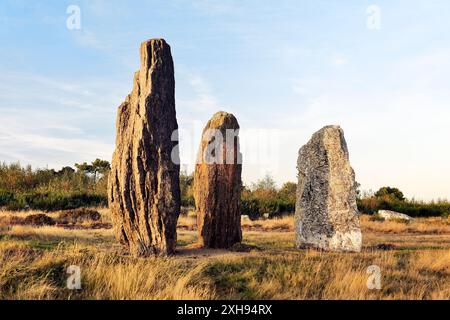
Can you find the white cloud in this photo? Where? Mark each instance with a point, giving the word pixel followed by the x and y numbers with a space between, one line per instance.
pixel 204 99
pixel 58 121
pixel 398 139
pixel 339 61
pixel 197 106
pixel 87 38
pixel 397 124
pixel 22 141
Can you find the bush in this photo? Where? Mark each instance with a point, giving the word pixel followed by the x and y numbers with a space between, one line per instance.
pixel 5 197
pixel 278 207
pixel 411 208
pixel 256 207
pixel 392 193
pixel 55 201
pixel 78 216
pixel 39 220
pixel 251 208
pixel 187 201
pixel 264 198
pixel 47 189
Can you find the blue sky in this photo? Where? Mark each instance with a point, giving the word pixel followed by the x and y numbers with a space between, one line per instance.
pixel 284 68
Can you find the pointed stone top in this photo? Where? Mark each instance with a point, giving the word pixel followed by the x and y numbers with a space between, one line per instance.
pixel 336 127
pixel 156 63
pixel 332 136
pixel 153 50
pixel 223 119
pixel 331 129
pixel 155 41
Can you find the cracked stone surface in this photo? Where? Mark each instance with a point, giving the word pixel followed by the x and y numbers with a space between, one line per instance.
pixel 326 215
pixel 217 187
pixel 144 185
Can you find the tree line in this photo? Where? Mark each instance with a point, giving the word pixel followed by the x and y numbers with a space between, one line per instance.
pixel 85 185
pixel 388 198
pixel 46 189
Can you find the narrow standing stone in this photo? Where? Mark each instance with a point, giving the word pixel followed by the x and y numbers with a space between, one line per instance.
pixel 217 183
pixel 326 213
pixel 144 185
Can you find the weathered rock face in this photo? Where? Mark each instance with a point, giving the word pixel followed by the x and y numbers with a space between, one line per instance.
pixel 217 183
pixel 392 215
pixel 144 186
pixel 326 212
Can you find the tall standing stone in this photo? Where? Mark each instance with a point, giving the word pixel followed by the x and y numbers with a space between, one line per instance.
pixel 144 184
pixel 217 183
pixel 326 213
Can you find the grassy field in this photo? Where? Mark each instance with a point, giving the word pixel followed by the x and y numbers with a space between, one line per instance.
pixel 414 260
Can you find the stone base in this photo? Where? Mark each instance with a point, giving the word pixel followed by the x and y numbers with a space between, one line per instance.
pixel 339 242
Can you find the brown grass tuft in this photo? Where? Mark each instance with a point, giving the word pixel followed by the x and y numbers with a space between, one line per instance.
pixel 414 260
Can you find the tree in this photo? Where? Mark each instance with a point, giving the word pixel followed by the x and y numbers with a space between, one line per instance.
pixel 265 189
pixel 100 167
pixel 186 185
pixel 267 183
pixel 288 192
pixel 96 167
pixel 390 193
pixel 66 171
pixel 358 190
pixel 84 167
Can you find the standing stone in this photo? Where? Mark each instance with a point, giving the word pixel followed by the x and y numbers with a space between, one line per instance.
pixel 144 184
pixel 326 213
pixel 217 183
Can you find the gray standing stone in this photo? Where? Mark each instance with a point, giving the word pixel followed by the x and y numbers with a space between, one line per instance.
pixel 144 184
pixel 326 212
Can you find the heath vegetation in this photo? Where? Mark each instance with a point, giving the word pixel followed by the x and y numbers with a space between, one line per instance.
pixel 414 261
pixel 40 238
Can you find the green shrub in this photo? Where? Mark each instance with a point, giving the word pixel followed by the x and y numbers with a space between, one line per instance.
pixel 47 189
pixel 5 197
pixel 264 198
pixel 55 201
pixel 187 201
pixel 251 208
pixel 256 207
pixel 412 208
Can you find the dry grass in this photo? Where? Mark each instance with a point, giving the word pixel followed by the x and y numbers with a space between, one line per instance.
pixel 33 264
pixel 33 274
pixel 418 226
pixel 280 224
pixel 8 218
